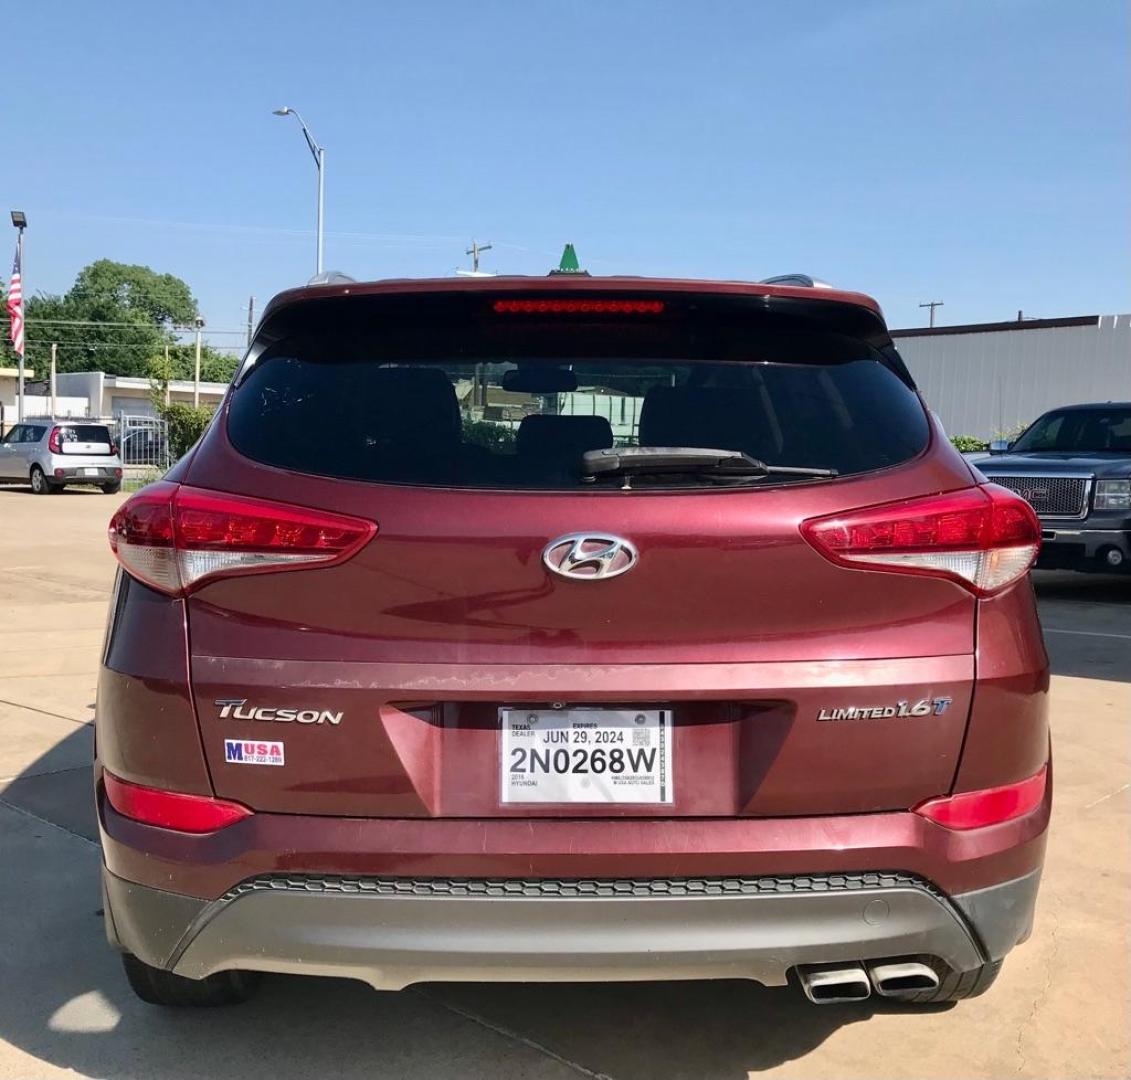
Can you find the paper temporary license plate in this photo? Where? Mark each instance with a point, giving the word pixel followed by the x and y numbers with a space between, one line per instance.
pixel 586 755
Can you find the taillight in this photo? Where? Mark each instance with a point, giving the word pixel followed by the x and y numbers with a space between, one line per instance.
pixel 54 444
pixel 578 307
pixel 176 538
pixel 990 806
pixel 985 538
pixel 172 809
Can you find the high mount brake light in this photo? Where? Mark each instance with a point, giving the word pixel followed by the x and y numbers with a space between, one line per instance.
pixel 990 806
pixel 579 307
pixel 175 538
pixel 172 809
pixel 985 538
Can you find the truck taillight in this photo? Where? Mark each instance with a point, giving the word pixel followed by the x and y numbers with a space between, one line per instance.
pixel 984 538
pixel 176 538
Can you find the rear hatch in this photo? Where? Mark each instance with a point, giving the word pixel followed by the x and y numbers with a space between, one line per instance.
pixel 738 670
pixel 75 441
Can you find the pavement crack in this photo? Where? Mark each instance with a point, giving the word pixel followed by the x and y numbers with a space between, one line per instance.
pixel 25 775
pixel 1042 997
pixel 1109 795
pixel 514 1036
pixel 43 712
pixel 47 821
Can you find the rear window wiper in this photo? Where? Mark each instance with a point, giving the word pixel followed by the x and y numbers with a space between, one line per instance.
pixel 723 464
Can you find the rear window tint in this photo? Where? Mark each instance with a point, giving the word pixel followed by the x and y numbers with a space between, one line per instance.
pixel 518 411
pixel 84 433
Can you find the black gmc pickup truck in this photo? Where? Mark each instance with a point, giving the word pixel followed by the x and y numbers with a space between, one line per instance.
pixel 1074 466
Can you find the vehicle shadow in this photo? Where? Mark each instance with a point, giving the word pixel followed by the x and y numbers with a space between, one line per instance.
pixel 16 487
pixel 65 1002
pixel 1087 623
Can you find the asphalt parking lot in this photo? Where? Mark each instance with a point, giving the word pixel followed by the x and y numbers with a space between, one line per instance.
pixel 1059 1009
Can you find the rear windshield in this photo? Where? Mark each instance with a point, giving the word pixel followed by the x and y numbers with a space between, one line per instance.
pixel 486 402
pixel 1091 431
pixel 84 433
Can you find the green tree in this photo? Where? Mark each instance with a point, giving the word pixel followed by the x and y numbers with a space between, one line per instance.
pixel 159 299
pixel 115 318
pixel 215 366
pixel 186 425
pixel 968 443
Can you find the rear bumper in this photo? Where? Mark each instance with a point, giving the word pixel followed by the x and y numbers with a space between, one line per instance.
pixel 391 933
pixel 392 902
pixel 1081 548
pixel 87 474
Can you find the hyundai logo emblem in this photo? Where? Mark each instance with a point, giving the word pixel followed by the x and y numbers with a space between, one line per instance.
pixel 589 556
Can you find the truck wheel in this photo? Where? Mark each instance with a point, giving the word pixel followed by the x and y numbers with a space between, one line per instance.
pixel 157 987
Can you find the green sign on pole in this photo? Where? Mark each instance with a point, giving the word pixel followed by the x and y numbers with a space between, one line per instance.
pixel 569 263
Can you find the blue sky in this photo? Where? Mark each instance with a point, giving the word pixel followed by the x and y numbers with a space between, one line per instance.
pixel 974 151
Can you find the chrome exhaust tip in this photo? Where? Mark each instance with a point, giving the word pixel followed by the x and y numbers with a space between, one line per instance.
pixel 900 979
pixel 834 985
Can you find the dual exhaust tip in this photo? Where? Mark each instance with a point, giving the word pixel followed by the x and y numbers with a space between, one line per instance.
pixel 852 982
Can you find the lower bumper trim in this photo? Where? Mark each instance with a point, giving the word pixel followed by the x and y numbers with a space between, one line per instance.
pixel 391 933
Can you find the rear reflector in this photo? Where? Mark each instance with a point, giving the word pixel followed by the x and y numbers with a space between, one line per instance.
pixel 172 809
pixel 176 538
pixel 990 806
pixel 985 538
pixel 579 307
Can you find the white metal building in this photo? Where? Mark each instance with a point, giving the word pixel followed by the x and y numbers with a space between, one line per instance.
pixel 987 378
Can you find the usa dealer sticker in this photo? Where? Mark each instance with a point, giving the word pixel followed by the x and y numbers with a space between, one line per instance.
pixel 249 752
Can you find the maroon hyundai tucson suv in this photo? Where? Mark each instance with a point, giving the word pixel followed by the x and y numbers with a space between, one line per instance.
pixel 572 628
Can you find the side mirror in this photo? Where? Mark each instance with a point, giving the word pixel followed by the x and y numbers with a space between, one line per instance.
pixel 999 446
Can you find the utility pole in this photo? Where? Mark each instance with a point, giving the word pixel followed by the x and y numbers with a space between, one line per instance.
pixel 932 304
pixel 196 373
pixel 475 251
pixel 168 374
pixel 54 354
pixel 250 319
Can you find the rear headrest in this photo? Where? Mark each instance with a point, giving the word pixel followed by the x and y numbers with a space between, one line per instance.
pixel 564 438
pixel 722 418
pixel 410 406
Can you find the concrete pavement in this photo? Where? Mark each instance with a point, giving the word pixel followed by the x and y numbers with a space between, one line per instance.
pixel 1060 1007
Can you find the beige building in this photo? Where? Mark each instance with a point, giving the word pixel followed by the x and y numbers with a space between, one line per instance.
pixel 111 396
pixel 93 394
pixel 9 386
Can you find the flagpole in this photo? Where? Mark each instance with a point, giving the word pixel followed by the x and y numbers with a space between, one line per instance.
pixel 23 304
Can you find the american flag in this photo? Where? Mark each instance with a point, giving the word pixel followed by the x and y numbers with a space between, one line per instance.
pixel 16 307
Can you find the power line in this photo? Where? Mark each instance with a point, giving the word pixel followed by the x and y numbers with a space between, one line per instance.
pixel 127 325
pixel 46 344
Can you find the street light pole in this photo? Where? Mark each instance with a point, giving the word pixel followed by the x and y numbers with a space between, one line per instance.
pixel 196 371
pixel 319 154
pixel 321 159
